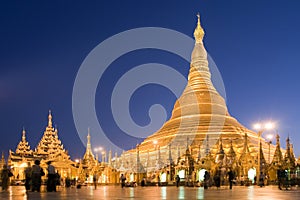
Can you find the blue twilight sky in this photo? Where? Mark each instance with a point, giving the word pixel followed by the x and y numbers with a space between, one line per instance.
pixel 255 45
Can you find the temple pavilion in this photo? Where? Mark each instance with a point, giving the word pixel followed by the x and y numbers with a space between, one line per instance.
pixel 50 148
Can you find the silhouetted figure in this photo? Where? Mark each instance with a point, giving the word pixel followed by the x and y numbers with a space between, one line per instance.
pixel 261 179
pixel 177 180
pixel 279 178
pixel 206 179
pixel 143 182
pixel 5 174
pixel 217 179
pixel 95 180
pixel 28 172
pixel 36 176
pixel 230 178
pixel 242 180
pixel 51 182
pixel 122 179
pixel 158 180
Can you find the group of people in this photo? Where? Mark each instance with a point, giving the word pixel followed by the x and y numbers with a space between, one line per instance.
pixel 282 179
pixel 217 179
pixel 5 174
pixel 33 177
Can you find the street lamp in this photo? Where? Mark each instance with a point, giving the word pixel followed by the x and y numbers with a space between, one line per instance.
pixel 269 137
pixel 261 128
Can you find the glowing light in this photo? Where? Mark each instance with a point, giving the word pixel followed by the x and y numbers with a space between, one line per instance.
pixel 257 126
pixel 201 174
pixel 181 173
pixel 251 174
pixel 269 125
pixel 98 149
pixel 77 160
pixel 155 142
pixel 163 177
pixel 131 177
pixel 23 165
pixel 270 136
pixel 266 126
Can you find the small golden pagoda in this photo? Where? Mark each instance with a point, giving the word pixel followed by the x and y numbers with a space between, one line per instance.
pixel 50 148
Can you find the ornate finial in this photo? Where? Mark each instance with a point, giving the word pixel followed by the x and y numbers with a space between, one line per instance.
pixel 50 119
pixel 23 134
pixel 199 32
pixel 88 138
pixel 277 138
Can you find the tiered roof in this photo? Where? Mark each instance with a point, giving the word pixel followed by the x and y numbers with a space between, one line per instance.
pixel 23 148
pixel 50 146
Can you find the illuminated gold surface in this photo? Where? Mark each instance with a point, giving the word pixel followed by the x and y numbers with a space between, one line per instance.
pixel 199 32
pixel 200 112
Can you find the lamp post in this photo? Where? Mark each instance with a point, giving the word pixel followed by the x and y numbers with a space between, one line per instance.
pixel 260 129
pixel 270 137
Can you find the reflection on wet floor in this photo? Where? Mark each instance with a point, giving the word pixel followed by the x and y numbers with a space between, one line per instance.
pixel 153 193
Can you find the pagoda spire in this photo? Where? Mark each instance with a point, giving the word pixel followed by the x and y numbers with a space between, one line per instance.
pixel 231 150
pixel 199 153
pixel 220 154
pixel 199 32
pixel 2 163
pixel 89 158
pixel 289 159
pixel 23 135
pixel 262 159
pixel 23 147
pixel 207 148
pixel 277 157
pixel 50 119
pixel 88 145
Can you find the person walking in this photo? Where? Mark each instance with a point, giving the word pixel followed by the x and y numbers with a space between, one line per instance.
pixel 206 179
pixel 51 182
pixel 122 179
pixel 143 182
pixel 28 172
pixel 158 180
pixel 230 178
pixel 95 180
pixel 217 179
pixel 5 174
pixel 261 179
pixel 177 180
pixel 36 176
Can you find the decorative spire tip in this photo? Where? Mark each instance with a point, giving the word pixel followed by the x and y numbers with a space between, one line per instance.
pixel 199 32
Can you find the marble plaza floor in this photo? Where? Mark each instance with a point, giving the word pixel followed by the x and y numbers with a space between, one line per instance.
pixel 153 193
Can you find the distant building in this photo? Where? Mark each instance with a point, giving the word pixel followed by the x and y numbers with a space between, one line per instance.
pixel 49 148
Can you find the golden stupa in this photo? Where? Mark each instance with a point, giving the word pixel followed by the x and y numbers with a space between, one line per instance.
pixel 200 111
pixel 200 130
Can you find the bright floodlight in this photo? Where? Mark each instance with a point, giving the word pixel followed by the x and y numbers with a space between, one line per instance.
pixel 155 142
pixel 77 160
pixel 257 126
pixel 98 149
pixel 270 136
pixel 269 125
